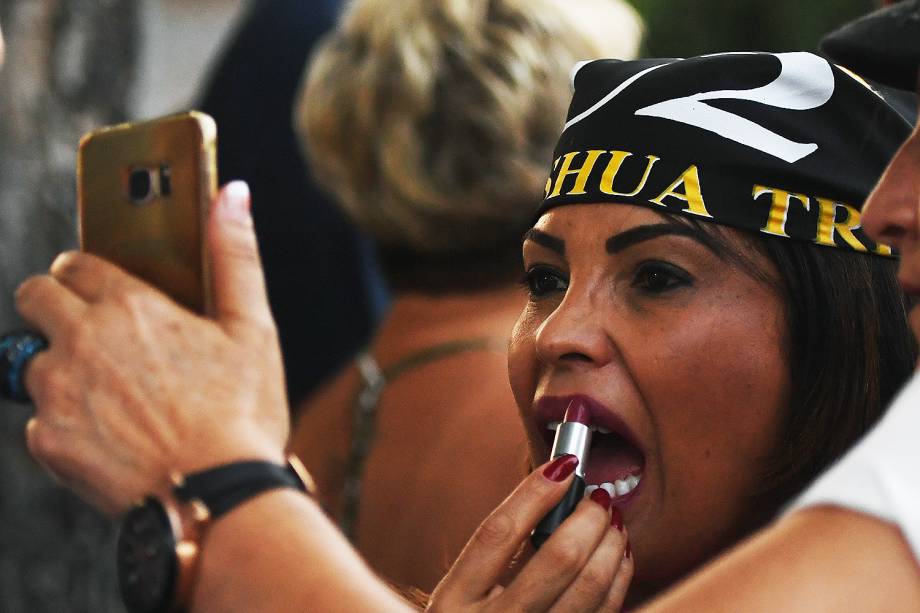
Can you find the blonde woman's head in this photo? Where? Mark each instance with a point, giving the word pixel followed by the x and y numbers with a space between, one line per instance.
pixel 433 121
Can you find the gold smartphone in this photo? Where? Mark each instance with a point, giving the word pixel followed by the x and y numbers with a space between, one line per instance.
pixel 143 193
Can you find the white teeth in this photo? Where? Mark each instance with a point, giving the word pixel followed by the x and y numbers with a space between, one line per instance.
pixel 553 425
pixel 620 487
pixel 602 430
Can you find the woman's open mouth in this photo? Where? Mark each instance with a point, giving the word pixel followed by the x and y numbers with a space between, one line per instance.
pixel 615 459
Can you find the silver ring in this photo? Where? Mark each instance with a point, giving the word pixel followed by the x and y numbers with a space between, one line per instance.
pixel 16 351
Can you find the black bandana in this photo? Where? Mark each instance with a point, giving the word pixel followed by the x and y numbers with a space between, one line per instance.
pixel 784 144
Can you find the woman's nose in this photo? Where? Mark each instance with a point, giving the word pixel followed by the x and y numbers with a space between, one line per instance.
pixel 575 334
pixel 890 213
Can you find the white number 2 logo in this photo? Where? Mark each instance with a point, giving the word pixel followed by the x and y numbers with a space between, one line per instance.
pixel 805 82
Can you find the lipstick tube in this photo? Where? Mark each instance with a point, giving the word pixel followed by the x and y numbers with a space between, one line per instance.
pixel 572 436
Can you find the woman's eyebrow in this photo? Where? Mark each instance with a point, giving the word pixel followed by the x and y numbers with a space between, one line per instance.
pixel 625 240
pixel 546 240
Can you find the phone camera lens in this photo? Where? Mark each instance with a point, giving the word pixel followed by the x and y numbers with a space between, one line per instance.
pixel 140 185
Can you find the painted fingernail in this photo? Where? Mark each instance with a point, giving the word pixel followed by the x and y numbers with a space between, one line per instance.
pixel 560 468
pixel 616 519
pixel 234 204
pixel 601 497
pixel 628 550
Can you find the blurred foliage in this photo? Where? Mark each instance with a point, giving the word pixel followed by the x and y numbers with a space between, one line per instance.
pixel 681 28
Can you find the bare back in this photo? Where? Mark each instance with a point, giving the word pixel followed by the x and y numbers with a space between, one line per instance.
pixel 448 444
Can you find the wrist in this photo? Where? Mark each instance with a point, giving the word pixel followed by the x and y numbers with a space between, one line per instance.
pixel 204 453
pixel 160 539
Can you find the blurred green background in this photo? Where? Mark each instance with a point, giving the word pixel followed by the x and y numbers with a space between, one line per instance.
pixel 681 28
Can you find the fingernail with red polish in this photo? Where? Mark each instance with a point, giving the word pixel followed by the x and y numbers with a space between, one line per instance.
pixel 601 497
pixel 616 519
pixel 560 468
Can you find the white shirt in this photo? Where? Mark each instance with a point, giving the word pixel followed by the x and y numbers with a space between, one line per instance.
pixel 880 476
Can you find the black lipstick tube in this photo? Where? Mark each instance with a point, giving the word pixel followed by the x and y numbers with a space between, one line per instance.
pixel 574 438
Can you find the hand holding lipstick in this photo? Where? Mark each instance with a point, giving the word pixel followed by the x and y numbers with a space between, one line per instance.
pixel 585 565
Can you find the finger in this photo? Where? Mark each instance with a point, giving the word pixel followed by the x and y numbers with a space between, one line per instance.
pixel 563 556
pixel 497 539
pixel 65 458
pixel 32 444
pixel 238 286
pixel 48 306
pixel 592 588
pixel 88 276
pixel 621 582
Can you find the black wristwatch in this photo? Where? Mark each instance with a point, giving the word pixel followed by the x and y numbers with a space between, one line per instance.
pixel 160 538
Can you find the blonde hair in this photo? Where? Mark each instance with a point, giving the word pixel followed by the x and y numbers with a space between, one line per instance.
pixel 433 121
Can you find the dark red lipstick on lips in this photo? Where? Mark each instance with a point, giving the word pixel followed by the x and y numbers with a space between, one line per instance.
pixel 573 436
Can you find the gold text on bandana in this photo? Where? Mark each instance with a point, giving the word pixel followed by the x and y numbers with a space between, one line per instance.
pixel 598 171
pixel 827 225
pixel 688 181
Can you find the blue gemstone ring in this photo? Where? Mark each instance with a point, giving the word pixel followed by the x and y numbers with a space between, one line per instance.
pixel 16 350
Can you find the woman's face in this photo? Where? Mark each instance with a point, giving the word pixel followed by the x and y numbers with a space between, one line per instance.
pixel 676 350
pixel 892 215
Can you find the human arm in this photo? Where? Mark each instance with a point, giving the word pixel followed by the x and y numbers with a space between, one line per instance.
pixel 280 553
pixel 300 562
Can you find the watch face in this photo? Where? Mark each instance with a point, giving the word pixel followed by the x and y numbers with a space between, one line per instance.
pixel 146 558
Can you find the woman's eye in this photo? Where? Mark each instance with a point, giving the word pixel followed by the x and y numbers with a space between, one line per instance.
pixel 543 280
pixel 659 277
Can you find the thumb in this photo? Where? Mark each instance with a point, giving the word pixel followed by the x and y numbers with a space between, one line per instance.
pixel 237 284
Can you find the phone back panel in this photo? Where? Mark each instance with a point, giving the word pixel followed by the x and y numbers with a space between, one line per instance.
pixel 143 196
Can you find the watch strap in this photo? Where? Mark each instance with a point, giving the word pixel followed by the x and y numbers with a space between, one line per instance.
pixel 224 487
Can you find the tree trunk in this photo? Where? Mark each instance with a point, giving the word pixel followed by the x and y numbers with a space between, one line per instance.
pixel 69 68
